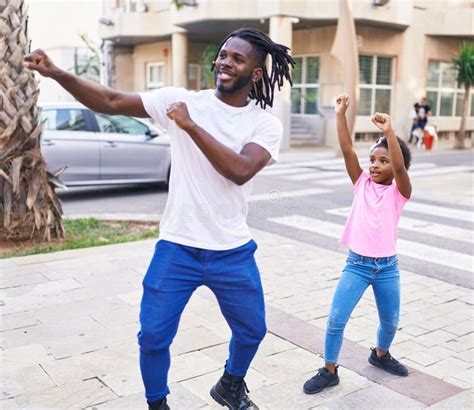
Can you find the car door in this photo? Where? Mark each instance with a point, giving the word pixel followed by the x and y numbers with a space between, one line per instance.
pixel 68 139
pixel 129 151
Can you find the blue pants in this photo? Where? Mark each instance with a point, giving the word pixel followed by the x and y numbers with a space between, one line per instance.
pixel 359 273
pixel 174 273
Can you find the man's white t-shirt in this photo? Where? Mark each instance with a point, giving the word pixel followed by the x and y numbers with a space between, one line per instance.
pixel 204 209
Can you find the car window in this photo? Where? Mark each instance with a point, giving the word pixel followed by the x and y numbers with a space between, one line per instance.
pixel 120 124
pixel 64 119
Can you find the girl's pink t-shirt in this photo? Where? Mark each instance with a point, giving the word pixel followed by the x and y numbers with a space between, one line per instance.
pixel 371 228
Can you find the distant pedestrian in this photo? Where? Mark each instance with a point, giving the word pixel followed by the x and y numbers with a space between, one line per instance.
pixel 371 234
pixel 415 132
pixel 424 112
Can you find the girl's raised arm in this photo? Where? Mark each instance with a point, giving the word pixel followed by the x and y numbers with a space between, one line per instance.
pixel 345 141
pixel 402 179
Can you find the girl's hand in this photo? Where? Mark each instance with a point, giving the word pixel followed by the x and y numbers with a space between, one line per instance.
pixel 382 121
pixel 342 103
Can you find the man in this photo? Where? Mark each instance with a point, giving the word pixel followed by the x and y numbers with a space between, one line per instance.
pixel 219 141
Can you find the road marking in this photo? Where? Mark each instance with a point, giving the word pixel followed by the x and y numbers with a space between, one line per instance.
pixel 333 165
pixel 424 227
pixel 312 163
pixel 415 174
pixel 312 175
pixel 333 173
pixel 274 195
pixel 284 171
pixel 440 211
pixel 414 250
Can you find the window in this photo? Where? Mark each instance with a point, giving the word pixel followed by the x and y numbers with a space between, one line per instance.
pixel 87 63
pixel 375 77
pixel 120 124
pixel 63 120
pixel 305 90
pixel 155 75
pixel 445 97
pixel 197 78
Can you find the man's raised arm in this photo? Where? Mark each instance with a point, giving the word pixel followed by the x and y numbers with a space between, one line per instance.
pixel 97 97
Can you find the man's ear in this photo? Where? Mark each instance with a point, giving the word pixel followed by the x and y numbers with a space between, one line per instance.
pixel 257 74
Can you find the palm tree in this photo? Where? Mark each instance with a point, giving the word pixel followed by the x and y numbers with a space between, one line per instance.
pixel 464 66
pixel 29 206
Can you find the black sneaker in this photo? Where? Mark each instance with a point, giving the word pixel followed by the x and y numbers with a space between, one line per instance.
pixel 231 391
pixel 322 380
pixel 158 405
pixel 387 363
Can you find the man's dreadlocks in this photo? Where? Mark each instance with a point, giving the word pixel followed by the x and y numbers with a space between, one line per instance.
pixel 263 90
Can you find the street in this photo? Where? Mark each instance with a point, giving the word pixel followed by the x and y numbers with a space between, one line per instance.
pixel 306 196
pixel 70 319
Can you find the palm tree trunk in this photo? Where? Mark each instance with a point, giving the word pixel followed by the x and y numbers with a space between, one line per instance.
pixel 29 207
pixel 459 142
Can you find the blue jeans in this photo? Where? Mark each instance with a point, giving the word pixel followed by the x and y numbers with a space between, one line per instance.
pixel 359 273
pixel 174 273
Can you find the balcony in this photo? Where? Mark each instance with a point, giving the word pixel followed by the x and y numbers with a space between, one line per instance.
pixel 130 22
pixel 140 20
pixel 457 22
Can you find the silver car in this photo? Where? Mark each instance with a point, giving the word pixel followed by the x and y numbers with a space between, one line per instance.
pixel 103 149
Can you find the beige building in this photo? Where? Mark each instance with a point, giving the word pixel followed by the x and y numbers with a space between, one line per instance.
pixel 405 48
pixel 56 26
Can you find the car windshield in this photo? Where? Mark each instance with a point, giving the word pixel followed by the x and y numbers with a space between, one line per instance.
pixel 120 124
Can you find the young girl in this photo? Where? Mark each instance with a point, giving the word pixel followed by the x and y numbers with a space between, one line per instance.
pixel 371 234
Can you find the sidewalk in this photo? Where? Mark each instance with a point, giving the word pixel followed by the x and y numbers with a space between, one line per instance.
pixel 69 324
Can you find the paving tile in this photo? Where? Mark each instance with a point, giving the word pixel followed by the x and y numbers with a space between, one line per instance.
pixel 463 400
pixel 132 298
pixel 415 330
pixel 17 321
pixel 460 328
pixel 466 376
pixel 447 367
pixel 117 362
pixel 9 404
pixel 73 396
pixel 194 339
pixel 80 308
pixel 423 388
pixel 434 338
pixel 120 316
pixel 31 379
pixel 52 333
pixel 135 401
pixel 458 382
pixel 459 344
pixel 11 281
pixel 190 365
pixel 289 394
pixel 24 356
pixel 28 297
pixel 200 386
pixel 422 358
pixel 374 397
pixel 285 365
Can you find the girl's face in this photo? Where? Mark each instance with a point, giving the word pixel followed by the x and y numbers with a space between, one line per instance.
pixel 380 167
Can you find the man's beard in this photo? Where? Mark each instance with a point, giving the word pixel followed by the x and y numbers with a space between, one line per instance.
pixel 241 82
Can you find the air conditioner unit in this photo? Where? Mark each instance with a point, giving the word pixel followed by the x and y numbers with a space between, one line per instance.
pixel 188 2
